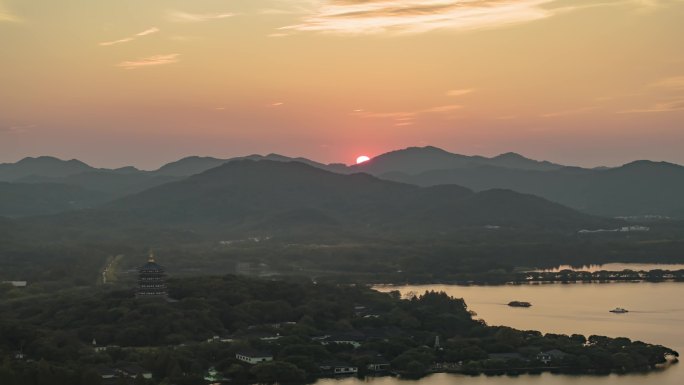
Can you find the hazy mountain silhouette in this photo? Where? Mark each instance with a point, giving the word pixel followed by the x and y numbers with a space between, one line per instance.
pixel 414 160
pixel 113 183
pixel 189 166
pixel 411 160
pixel 87 185
pixel 251 194
pixel 24 199
pixel 637 188
pixel 194 164
pixel 41 166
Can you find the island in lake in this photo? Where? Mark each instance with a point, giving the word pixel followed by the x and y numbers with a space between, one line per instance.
pixel 519 304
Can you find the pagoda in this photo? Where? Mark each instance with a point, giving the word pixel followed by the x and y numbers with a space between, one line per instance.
pixel 151 280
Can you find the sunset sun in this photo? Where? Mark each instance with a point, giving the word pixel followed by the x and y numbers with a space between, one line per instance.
pixel 362 159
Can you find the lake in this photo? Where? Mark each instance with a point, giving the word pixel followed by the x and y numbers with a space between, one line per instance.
pixel 656 316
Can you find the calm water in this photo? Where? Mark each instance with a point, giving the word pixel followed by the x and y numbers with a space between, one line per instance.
pixel 656 316
pixel 620 267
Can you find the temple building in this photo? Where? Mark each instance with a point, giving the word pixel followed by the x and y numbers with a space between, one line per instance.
pixel 151 280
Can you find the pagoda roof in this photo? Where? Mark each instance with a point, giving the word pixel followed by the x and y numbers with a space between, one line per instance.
pixel 151 266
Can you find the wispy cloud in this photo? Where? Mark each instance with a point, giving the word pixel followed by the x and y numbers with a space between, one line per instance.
pixel 459 92
pixel 114 42
pixel 16 129
pixel 277 11
pixel 407 118
pixel 415 16
pixel 575 111
pixel 675 83
pixel 183 38
pixel 669 106
pixel 447 108
pixel 7 16
pixel 187 17
pixel 289 7
pixel 649 5
pixel 150 61
pixel 146 32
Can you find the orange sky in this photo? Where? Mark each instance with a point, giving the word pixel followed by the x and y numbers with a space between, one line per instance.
pixel 118 82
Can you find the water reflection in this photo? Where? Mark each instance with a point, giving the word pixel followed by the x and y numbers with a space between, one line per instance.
pixel 656 316
pixel 545 378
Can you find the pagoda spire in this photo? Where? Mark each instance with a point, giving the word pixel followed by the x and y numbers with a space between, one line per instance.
pixel 151 279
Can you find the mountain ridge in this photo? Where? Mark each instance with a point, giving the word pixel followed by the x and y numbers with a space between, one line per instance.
pixel 636 188
pixel 252 192
pixel 640 187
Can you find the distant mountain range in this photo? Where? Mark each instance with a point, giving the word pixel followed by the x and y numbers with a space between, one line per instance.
pixel 244 197
pixel 414 160
pixel 194 164
pixel 44 168
pixel 24 199
pixel 41 166
pixel 637 188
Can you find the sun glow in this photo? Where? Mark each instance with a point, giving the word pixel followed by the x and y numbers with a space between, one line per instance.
pixel 362 159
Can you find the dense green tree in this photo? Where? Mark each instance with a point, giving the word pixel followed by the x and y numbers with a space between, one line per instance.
pixel 91 377
pixel 277 371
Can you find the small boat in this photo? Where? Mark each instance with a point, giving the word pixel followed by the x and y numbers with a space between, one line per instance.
pixel 519 304
pixel 619 310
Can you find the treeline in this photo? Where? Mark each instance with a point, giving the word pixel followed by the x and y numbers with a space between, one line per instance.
pixel 655 275
pixel 48 339
pixel 49 256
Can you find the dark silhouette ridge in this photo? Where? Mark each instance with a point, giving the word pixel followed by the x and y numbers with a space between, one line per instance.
pixel 248 192
pixel 637 188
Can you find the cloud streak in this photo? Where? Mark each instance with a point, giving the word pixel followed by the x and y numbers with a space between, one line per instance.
pixel 187 17
pixel 575 111
pixel 407 118
pixel 669 106
pixel 674 83
pixel 459 92
pixel 150 61
pixel 16 129
pixel 7 16
pixel 416 16
pixel 146 32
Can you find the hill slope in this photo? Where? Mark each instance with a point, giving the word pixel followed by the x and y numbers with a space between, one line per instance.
pixel 26 199
pixel 115 184
pixel 41 166
pixel 638 188
pixel 414 160
pixel 194 164
pixel 251 195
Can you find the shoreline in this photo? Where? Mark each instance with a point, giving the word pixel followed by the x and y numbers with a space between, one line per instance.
pixel 539 278
pixel 512 372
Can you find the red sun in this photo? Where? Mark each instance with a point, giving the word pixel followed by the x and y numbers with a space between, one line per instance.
pixel 362 159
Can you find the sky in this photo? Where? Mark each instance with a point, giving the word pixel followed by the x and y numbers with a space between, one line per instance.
pixel 130 82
